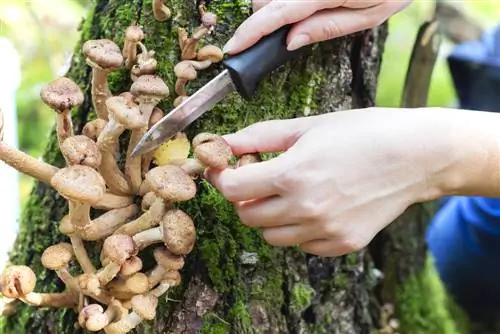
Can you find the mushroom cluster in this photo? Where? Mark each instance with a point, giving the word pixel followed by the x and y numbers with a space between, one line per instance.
pixel 136 203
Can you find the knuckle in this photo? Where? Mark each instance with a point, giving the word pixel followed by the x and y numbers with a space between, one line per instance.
pixel 331 29
pixel 351 244
pixel 287 180
pixel 272 238
pixel 311 210
pixel 229 188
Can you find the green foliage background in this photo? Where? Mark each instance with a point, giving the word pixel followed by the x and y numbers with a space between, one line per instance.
pixel 44 33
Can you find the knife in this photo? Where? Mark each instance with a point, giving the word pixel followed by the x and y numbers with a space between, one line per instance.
pixel 242 73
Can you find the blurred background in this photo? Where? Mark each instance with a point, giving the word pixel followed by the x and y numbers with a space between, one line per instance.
pixel 37 38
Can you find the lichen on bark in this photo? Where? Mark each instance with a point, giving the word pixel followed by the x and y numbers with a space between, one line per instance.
pixel 233 281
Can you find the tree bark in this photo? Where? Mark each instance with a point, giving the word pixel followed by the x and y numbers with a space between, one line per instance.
pixel 233 282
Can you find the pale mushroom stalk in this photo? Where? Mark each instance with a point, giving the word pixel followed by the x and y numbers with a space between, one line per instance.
pixel 169 280
pixel 188 45
pixel 93 317
pixel 167 266
pixel 133 35
pixel 148 90
pixel 123 114
pixel 143 308
pixel 160 11
pixel 147 220
pixel 148 157
pixel 81 255
pixel 103 56
pixel 67 299
pixel 107 223
pixel 111 201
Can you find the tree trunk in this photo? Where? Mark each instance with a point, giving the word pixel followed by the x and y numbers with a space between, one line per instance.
pixel 233 281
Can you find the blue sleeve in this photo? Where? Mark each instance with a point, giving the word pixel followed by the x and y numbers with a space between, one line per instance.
pixel 464 239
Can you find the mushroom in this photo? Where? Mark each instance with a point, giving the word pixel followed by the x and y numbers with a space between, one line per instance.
pixel 93 317
pixel 82 186
pixel 18 282
pixel 57 258
pixel 81 150
pixel 62 94
pixel 143 308
pixel 146 63
pixel 208 19
pixel 165 262
pixel 170 279
pixel 160 11
pixel 127 287
pixel 212 150
pixel 148 157
pixel 184 71
pixel 102 226
pixel 193 167
pixel 247 159
pixel 210 54
pixel 148 90
pixel 123 114
pixel 131 266
pixel 147 201
pixel 170 184
pixel 94 128
pixel 104 56
pixel 116 250
pixel 176 231
pixel 133 35
pixel 188 45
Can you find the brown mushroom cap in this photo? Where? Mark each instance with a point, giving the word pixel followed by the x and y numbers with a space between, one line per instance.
pixel 171 183
pixel 210 52
pixel 65 226
pixel 79 183
pixel 57 256
pixel 62 94
pixel 167 260
pixel 185 70
pixel 89 312
pixel 81 150
pixel 125 111
pixel 131 266
pixel 104 53
pixel 212 150
pixel 172 278
pixel 94 128
pixel 247 159
pixel 119 247
pixel 17 281
pixel 145 306
pixel 209 19
pixel 151 86
pixel 179 232
pixel 138 283
pixel 134 34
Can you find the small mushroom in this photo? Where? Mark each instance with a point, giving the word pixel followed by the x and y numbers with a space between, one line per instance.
pixel 143 308
pixel 170 279
pixel 176 231
pixel 247 159
pixel 62 95
pixel 126 288
pixel 104 56
pixel 81 150
pixel 93 317
pixel 57 258
pixel 212 150
pixel 210 53
pixel 185 72
pixel 18 282
pixel 208 19
pixel 193 167
pixel 133 35
pixel 148 90
pixel 123 114
pixel 160 11
pixel 188 45
pixel 131 266
pixel 165 262
pixel 116 250
pixel 146 63
pixel 94 128
pixel 82 186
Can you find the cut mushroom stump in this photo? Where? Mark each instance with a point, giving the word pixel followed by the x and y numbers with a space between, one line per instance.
pixel 104 56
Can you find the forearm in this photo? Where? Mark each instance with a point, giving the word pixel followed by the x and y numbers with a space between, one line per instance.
pixel 470 149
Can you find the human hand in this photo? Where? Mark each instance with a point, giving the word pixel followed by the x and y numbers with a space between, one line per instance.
pixel 342 178
pixel 314 20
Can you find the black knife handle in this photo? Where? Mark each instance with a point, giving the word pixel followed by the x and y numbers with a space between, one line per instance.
pixel 250 66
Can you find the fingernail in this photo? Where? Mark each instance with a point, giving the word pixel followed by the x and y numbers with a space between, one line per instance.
pixel 229 45
pixel 298 41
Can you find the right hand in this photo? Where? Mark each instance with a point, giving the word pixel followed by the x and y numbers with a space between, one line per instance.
pixel 314 20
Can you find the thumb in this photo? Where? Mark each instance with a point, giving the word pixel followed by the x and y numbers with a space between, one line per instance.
pixel 269 136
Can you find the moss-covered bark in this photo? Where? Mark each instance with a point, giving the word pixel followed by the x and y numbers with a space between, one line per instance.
pixel 233 281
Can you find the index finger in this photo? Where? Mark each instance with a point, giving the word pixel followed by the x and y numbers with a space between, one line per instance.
pixel 270 18
pixel 247 182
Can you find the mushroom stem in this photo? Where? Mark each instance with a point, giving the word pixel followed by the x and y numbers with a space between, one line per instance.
pixel 92 317
pixel 133 164
pixel 111 201
pixel 149 237
pixel 100 91
pixel 147 220
pixel 64 126
pixel 81 255
pixel 79 214
pixel 113 176
pixel 26 164
pixel 67 299
pixel 160 11
pixel 106 224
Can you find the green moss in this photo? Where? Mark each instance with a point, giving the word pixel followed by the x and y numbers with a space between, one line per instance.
pixel 243 321
pixel 301 297
pixel 423 305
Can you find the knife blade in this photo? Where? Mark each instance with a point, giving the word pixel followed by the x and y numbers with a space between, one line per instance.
pixel 242 74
